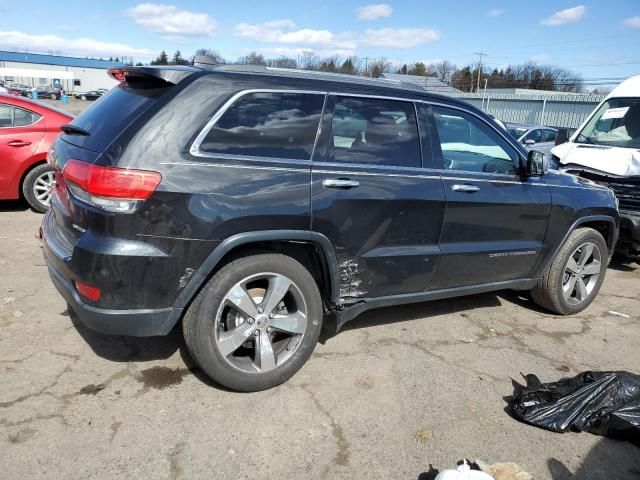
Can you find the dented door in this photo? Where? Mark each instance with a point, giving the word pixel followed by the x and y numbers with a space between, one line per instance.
pixel 384 220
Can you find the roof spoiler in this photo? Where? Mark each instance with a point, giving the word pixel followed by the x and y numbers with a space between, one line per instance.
pixel 166 74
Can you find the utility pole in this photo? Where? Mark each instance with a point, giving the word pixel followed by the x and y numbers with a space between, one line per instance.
pixel 366 66
pixel 480 55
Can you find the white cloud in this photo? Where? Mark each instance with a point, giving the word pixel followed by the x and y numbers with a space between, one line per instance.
pixel 285 31
pixel 288 33
pixel 170 21
pixel 293 52
pixel 374 11
pixel 495 12
pixel 569 15
pixel 633 22
pixel 398 37
pixel 24 42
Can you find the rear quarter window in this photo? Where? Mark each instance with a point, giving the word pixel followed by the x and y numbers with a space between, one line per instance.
pixel 267 124
pixel 111 114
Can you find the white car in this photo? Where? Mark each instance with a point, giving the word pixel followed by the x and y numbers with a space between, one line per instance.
pixel 606 150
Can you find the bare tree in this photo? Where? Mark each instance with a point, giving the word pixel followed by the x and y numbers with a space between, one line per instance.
pixel 282 62
pixel 443 70
pixel 254 58
pixel 309 60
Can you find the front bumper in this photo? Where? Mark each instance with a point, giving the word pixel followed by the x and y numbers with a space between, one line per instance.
pixel 130 322
pixel 629 238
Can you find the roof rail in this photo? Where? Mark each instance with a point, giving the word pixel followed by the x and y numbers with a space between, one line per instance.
pixel 333 74
pixel 249 68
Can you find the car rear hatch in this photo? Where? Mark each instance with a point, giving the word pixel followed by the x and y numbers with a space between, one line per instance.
pixel 91 189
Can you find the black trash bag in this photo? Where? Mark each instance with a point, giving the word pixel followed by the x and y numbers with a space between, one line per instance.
pixel 604 403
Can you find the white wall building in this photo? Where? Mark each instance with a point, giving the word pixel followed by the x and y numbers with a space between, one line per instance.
pixel 71 73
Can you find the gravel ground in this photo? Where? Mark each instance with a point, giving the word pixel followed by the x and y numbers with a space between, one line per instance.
pixel 397 390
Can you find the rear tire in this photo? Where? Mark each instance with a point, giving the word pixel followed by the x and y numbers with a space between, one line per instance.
pixel 37 187
pixel 255 323
pixel 575 275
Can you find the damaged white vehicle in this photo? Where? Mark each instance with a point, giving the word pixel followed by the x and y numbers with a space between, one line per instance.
pixel 606 150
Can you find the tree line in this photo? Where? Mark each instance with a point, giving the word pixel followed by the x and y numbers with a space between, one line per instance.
pixel 467 78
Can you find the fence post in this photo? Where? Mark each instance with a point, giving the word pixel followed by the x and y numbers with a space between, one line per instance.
pixel 544 107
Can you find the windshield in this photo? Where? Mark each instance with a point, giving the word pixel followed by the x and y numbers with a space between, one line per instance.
pixel 516 132
pixel 615 124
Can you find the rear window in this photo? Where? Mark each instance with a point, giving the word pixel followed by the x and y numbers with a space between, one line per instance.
pixel 111 114
pixel 272 125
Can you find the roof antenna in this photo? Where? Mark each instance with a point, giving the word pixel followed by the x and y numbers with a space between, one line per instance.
pixel 202 60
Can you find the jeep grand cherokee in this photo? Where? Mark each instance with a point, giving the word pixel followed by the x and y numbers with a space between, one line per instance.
pixel 254 204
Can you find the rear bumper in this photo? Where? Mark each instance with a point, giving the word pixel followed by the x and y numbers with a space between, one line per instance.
pixel 629 239
pixel 137 322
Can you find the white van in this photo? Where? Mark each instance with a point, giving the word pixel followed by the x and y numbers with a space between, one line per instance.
pixel 606 150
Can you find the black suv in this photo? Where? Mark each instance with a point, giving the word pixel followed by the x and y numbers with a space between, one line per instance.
pixel 256 204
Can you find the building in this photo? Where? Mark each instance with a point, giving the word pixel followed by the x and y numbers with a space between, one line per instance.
pixel 526 91
pixel 430 84
pixel 71 73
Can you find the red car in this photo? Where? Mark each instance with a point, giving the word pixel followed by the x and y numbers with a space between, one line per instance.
pixel 27 129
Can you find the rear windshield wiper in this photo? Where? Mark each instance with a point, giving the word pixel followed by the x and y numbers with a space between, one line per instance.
pixel 70 129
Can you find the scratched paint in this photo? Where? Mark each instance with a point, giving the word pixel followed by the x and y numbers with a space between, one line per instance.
pixel 351 279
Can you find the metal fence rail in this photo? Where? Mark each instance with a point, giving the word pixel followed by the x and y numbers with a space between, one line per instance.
pixel 555 111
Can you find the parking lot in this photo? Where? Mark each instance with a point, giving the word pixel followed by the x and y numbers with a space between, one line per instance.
pixel 398 390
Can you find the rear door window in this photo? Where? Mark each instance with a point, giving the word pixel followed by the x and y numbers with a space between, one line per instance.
pixel 267 125
pixel 375 131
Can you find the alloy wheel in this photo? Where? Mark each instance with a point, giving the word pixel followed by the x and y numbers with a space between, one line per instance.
pixel 581 273
pixel 43 187
pixel 261 322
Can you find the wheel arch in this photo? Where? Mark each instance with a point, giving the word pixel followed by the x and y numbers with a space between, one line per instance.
pixel 606 225
pixel 312 249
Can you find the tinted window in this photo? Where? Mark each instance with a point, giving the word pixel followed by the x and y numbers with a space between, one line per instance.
pixel 382 132
pixel 276 125
pixel 471 145
pixel 535 135
pixel 22 118
pixel 107 119
pixel 549 136
pixel 6 116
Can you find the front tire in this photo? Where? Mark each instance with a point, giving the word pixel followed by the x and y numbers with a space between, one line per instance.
pixel 83 98
pixel 575 275
pixel 255 323
pixel 37 187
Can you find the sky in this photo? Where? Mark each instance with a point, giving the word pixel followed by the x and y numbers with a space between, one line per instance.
pixel 600 40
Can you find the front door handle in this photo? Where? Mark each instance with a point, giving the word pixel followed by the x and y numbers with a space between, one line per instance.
pixel 340 183
pixel 18 143
pixel 465 188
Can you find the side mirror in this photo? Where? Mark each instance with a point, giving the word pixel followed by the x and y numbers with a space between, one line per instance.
pixel 536 164
pixel 563 136
pixel 529 141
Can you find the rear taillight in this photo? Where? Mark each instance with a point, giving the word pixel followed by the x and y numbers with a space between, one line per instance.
pixel 110 188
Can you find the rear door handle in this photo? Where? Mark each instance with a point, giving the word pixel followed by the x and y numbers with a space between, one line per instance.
pixel 18 143
pixel 465 188
pixel 340 183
